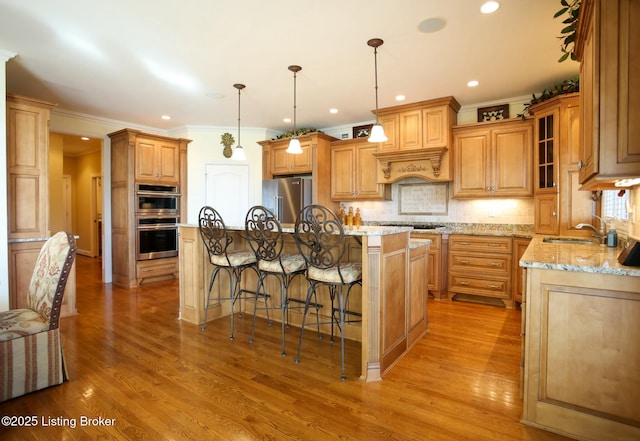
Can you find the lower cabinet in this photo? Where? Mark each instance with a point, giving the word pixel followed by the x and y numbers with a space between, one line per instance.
pixel 436 263
pixel 520 245
pixel 581 354
pixel 417 304
pixel 156 269
pixel 481 266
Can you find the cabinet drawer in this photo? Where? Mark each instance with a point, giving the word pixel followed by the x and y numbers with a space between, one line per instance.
pixel 491 244
pixel 482 285
pixel 499 264
pixel 156 268
pixel 436 239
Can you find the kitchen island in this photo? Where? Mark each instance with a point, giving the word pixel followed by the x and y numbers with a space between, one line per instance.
pixel 581 333
pixel 392 301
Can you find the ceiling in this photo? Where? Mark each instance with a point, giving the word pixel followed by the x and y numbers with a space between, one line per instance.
pixel 135 61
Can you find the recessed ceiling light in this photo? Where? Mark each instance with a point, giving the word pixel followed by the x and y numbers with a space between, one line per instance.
pixel 287 120
pixel 489 7
pixel 431 25
pixel 400 98
pixel 472 83
pixel 84 138
pixel 334 110
pixel 166 117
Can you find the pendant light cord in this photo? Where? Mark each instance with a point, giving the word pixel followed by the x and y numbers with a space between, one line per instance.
pixel 375 62
pixel 239 89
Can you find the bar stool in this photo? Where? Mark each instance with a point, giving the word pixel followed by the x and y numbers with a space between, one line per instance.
pixel 217 241
pixel 265 236
pixel 320 238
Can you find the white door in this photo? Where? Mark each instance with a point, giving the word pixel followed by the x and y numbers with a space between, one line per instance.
pixel 227 190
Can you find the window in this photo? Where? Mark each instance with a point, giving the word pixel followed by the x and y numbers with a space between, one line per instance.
pixel 614 205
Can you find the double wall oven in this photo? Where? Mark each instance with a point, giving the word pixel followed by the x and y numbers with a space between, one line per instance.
pixel 157 217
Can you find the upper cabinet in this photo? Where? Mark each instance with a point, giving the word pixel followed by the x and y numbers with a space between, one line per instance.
pixel 351 179
pixel 419 137
pixel 27 167
pixel 157 160
pixel 283 163
pixel 493 159
pixel 606 46
pixel 315 161
pixel 559 204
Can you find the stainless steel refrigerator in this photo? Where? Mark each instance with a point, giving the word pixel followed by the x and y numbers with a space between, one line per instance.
pixel 286 197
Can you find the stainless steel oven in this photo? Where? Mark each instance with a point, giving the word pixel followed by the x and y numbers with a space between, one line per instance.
pixel 154 200
pixel 156 237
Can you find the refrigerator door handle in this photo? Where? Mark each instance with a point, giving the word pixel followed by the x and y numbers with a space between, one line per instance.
pixel 278 205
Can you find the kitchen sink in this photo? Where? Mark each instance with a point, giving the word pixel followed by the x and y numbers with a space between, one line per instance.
pixel 569 240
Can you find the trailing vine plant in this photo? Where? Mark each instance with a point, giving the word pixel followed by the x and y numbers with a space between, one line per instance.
pixel 568 33
pixel 567 86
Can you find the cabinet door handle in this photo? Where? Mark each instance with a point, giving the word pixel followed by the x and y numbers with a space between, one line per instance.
pixel 464 262
pixel 494 245
pixel 493 286
pixel 463 283
pixel 465 243
pixel 580 164
pixel 495 264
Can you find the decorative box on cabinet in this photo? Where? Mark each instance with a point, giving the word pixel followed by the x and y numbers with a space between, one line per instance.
pixel 481 266
pixel 419 139
pixel 493 159
pixel 316 160
pixel 606 46
pixel 128 148
pixel 352 161
pixel 559 204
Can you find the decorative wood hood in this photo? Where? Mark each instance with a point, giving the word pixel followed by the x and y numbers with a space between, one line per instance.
pixel 420 136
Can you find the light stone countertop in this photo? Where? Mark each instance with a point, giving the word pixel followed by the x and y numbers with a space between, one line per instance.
pixel 576 257
pixel 348 231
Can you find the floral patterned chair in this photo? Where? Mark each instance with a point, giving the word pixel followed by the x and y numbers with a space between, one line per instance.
pixel 31 356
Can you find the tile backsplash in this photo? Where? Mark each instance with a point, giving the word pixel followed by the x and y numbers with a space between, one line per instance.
pixel 486 211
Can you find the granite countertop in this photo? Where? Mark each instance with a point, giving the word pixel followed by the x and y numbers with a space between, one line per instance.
pixel 593 258
pixel 444 228
pixel 368 230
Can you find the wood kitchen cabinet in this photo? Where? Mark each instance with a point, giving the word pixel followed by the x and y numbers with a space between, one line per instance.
pixel 419 139
pixel 352 162
pixel 520 245
pixel 606 46
pixel 157 160
pixel 559 204
pixel 283 163
pixel 27 168
pixel 481 266
pixel 581 359
pixel 316 161
pixel 436 263
pixel 493 159
pixel 418 293
pixel 128 148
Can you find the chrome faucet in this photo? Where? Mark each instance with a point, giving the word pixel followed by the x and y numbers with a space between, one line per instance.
pixel 600 233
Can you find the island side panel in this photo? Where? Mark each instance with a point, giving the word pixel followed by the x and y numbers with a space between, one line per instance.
pixel 371 252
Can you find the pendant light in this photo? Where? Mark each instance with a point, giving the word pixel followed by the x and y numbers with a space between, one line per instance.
pixel 294 144
pixel 238 152
pixel 377 132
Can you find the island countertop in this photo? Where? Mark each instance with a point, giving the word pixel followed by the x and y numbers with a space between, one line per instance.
pixel 363 230
pixel 576 257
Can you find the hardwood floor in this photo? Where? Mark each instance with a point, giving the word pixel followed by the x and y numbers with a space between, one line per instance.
pixel 132 363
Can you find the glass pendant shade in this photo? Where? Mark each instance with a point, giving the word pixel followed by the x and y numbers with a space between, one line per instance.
pixel 294 146
pixel 377 134
pixel 238 154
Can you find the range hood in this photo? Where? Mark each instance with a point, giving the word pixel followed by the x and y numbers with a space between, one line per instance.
pixel 425 163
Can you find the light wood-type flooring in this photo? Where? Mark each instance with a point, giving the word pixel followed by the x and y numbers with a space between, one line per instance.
pixel 132 363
